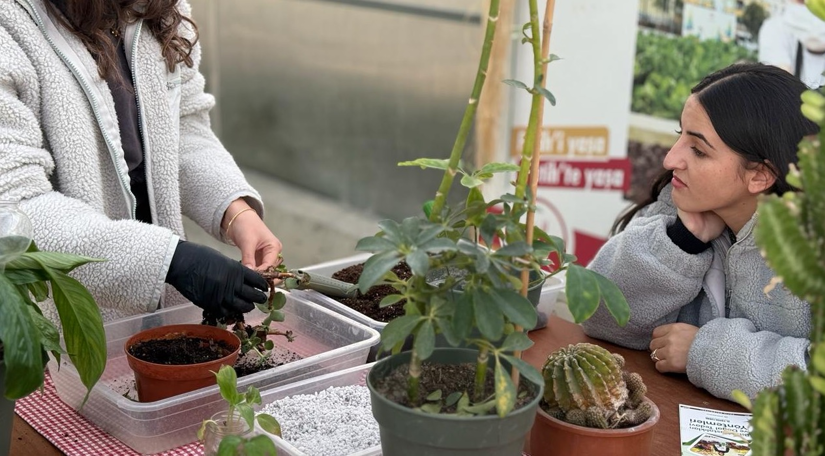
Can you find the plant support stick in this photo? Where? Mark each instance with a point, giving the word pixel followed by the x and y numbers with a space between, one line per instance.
pixel 534 144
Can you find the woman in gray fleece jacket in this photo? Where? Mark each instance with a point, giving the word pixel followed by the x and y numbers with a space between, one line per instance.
pixel 105 141
pixel 701 296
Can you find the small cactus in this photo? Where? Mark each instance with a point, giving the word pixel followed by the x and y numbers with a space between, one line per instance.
pixel 587 383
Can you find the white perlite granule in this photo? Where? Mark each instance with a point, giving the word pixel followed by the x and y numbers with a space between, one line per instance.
pixel 334 422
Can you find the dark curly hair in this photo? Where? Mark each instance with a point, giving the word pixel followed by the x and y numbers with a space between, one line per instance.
pixel 92 20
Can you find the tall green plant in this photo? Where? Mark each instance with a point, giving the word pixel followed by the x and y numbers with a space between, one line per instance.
pixel 478 302
pixel 26 336
pixel 790 419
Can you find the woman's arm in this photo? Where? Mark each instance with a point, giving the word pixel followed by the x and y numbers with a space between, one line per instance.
pixel 657 277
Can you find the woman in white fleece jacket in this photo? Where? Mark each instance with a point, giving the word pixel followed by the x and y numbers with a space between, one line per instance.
pixel 686 259
pixel 105 141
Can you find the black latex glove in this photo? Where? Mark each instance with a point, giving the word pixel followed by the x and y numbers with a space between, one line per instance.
pixel 214 282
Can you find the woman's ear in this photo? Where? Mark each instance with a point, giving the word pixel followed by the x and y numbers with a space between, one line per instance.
pixel 761 179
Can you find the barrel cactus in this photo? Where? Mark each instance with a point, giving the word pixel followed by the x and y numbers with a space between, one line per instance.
pixel 790 230
pixel 586 385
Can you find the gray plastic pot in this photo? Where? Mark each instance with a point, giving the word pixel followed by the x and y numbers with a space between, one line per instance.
pixel 407 432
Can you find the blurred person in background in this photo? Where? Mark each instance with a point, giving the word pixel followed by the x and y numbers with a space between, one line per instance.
pixel 794 40
pixel 105 142
pixel 686 259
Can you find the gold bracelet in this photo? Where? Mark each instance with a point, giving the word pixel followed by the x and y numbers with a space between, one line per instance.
pixel 229 225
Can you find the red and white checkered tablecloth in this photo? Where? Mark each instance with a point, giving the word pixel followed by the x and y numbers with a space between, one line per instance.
pixel 74 435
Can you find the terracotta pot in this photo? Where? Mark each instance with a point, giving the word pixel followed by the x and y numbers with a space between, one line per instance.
pixel 159 381
pixel 552 437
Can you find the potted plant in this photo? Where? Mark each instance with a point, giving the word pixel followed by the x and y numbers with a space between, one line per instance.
pixel 789 419
pixel 175 359
pixel 480 303
pixel 592 406
pixel 230 432
pixel 29 276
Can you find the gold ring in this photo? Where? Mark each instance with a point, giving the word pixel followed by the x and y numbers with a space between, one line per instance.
pixel 654 357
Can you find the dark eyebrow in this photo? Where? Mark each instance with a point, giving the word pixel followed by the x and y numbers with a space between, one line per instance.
pixel 700 136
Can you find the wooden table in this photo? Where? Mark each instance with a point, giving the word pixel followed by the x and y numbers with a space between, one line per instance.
pixel 667 391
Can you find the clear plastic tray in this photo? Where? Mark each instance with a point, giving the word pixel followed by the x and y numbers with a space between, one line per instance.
pixel 352 376
pixel 327 341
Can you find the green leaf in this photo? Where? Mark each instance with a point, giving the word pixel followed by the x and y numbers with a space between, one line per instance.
pixel 390 300
pixel 398 329
pixel 434 163
pixel 817 383
pixel 613 298
pixel 547 94
pixel 514 83
pixel 375 268
pixel 82 326
pixel 49 335
pixel 438 245
pixel 374 244
pixel 478 409
pixel 505 391
pixel 21 343
pixel 229 445
pixel 527 370
pixel 551 58
pixel 278 302
pixel 424 343
pixel 470 181
pixel 489 319
pixel 498 167
pixel 445 327
pixel 516 307
pixel 269 424
pixel 418 262
pixel 227 383
pixel 582 292
pixel 252 396
pixel 488 229
pixel 463 317
pixel 517 341
pixel 64 262
pixel 433 408
pixel 391 230
pixel 434 396
pixel 515 249
pixel 247 413
pixel 25 276
pixel 452 399
pixel 427 208
pixel 260 445
pixel 40 291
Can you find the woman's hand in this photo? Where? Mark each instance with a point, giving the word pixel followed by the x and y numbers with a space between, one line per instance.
pixel 706 226
pixel 260 249
pixel 670 345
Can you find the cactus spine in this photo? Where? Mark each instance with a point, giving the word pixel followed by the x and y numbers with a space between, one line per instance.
pixel 790 419
pixel 585 385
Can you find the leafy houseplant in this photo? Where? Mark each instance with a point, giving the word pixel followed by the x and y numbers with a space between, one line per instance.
pixel 479 302
pixel 586 387
pixel 27 337
pixel 789 419
pixel 225 434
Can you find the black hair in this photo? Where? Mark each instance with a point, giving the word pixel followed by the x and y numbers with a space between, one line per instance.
pixel 755 110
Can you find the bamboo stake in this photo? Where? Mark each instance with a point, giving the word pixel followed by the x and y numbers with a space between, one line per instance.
pixel 535 158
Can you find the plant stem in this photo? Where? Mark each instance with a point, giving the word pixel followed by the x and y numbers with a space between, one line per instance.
pixel 534 145
pixel 481 373
pixel 469 114
pixel 413 382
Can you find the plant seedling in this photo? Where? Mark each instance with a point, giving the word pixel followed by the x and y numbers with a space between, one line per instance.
pixel 240 407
